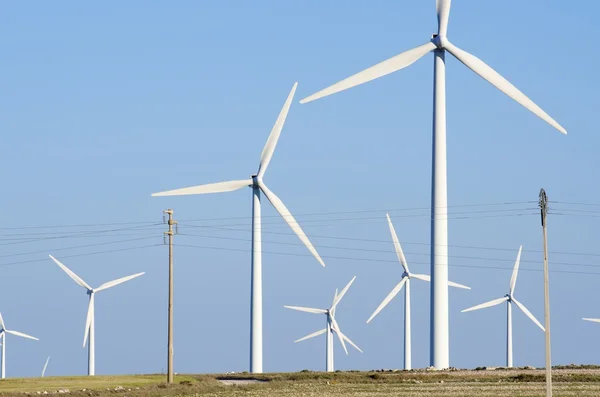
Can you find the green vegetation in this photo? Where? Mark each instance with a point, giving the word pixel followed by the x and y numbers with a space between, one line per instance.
pixel 578 381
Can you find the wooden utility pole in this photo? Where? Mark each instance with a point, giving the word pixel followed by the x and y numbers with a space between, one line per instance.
pixel 544 214
pixel 170 233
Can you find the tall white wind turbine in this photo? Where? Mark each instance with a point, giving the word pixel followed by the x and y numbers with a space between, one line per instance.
pixel 90 320
pixel 509 299
pixel 258 185
pixel 439 44
pixel 405 282
pixel 330 328
pixel 3 332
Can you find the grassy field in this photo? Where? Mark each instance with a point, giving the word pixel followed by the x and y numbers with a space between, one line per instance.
pixel 497 383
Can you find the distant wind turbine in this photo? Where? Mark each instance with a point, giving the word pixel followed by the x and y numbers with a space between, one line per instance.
pixel 509 299
pixel 90 321
pixel 3 332
pixel 405 281
pixel 45 366
pixel 439 44
pixel 257 184
pixel 331 327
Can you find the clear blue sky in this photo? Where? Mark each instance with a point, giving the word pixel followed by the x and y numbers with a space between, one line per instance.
pixel 105 103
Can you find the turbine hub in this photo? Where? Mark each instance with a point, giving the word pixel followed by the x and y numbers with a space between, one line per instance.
pixel 405 274
pixel 439 41
pixel 255 180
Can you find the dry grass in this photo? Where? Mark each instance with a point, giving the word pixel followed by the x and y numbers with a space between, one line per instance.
pixel 498 383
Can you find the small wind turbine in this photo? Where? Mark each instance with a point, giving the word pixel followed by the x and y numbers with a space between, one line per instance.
pixel 405 281
pixel 45 366
pixel 510 299
pixel 439 45
pixel 3 332
pixel 331 328
pixel 90 322
pixel 257 184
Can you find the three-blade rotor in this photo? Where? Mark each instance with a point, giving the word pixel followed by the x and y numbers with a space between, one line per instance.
pixel 257 180
pixel 3 330
pixel 438 43
pixel 335 328
pixel 91 292
pixel 407 274
pixel 510 296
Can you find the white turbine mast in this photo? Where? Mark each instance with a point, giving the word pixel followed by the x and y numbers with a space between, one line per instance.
pixel 439 44
pixel 331 327
pixel 258 185
pixel 405 282
pixel 509 299
pixel 90 319
pixel 3 332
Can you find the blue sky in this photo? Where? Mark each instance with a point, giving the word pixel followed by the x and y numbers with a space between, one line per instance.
pixel 105 103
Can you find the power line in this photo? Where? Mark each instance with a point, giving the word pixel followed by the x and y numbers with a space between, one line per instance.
pixel 84 254
pixel 388 241
pixel 77 234
pixel 77 225
pixel 381 260
pixel 77 247
pixel 364 211
pixel 388 251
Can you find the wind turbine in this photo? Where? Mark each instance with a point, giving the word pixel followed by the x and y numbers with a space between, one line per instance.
pixel 90 321
pixel 45 366
pixel 258 185
pixel 509 299
pixel 3 332
pixel 405 281
pixel 439 44
pixel 331 327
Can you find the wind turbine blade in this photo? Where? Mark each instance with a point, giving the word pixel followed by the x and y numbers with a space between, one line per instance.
pixel 350 342
pixel 336 329
pixel 528 314
pixel 2 326
pixel 267 153
pixel 423 277
pixel 111 284
pixel 307 309
pixel 443 14
pixel 342 293
pixel 494 78
pixel 487 304
pixel 314 334
pixel 45 366
pixel 594 320
pixel 388 298
pixel 332 311
pixel 386 67
pixel 219 187
pixel 457 285
pixel 75 277
pixel 397 246
pixel 22 335
pixel 289 219
pixel 513 279
pixel 88 320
